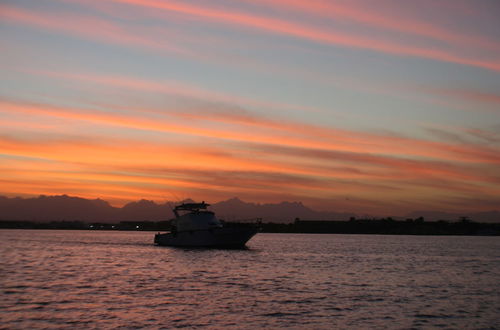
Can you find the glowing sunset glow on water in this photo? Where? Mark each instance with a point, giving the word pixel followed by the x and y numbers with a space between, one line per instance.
pixel 374 108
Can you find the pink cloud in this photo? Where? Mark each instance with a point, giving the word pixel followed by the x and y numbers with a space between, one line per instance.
pixel 293 29
pixel 87 27
pixel 470 95
pixel 401 21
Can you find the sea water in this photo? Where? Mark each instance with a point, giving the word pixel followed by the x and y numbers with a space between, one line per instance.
pixel 111 279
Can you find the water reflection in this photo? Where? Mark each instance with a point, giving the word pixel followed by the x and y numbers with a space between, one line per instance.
pixel 119 279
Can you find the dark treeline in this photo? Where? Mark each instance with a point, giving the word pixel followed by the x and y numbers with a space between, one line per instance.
pixel 387 226
pixel 124 225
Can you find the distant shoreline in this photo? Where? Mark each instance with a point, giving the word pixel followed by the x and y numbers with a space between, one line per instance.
pixel 363 226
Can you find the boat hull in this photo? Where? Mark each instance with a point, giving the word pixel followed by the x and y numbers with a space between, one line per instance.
pixel 225 237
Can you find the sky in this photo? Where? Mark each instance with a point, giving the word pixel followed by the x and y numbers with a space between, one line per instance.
pixel 371 107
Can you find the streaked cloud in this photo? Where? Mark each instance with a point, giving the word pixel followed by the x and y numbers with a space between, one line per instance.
pixel 308 32
pixel 343 105
pixel 275 132
pixel 382 16
pixel 237 163
pixel 468 95
pixel 84 26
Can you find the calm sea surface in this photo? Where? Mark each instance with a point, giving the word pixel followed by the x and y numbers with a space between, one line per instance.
pixel 108 279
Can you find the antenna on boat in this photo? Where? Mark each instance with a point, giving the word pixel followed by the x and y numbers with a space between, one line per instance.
pixel 172 204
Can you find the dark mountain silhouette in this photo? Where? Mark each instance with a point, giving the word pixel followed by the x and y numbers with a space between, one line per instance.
pixel 56 208
pixel 145 210
pixel 67 208
pixel 235 208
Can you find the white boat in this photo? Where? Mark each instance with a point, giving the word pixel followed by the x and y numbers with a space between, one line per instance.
pixel 195 226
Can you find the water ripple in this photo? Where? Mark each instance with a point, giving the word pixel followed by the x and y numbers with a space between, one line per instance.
pixel 84 279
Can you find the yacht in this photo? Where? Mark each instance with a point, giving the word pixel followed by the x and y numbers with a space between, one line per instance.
pixel 195 226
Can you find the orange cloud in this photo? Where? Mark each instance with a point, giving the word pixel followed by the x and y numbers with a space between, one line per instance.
pixel 274 132
pixel 182 159
pixel 217 148
pixel 396 166
pixel 327 138
pixel 254 156
pixel 122 170
pixel 278 131
pixel 106 177
pixel 354 141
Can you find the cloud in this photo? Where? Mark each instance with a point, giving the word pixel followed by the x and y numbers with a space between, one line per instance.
pixel 297 161
pixel 172 87
pixel 396 166
pixel 308 32
pixel 394 19
pixel 468 95
pixel 123 169
pixel 101 30
pixel 351 141
pixel 488 136
pixel 276 132
pixel 87 27
pixel 165 135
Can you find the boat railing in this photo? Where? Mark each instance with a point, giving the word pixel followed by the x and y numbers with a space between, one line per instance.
pixel 242 222
pixel 190 207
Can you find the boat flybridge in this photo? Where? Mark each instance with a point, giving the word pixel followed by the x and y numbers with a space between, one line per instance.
pixel 195 226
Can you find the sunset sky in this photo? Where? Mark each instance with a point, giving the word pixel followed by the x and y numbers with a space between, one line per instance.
pixel 371 107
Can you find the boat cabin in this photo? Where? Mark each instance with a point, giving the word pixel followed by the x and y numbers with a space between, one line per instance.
pixel 194 216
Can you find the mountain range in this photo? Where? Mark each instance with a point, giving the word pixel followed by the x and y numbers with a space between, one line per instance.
pixel 68 208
